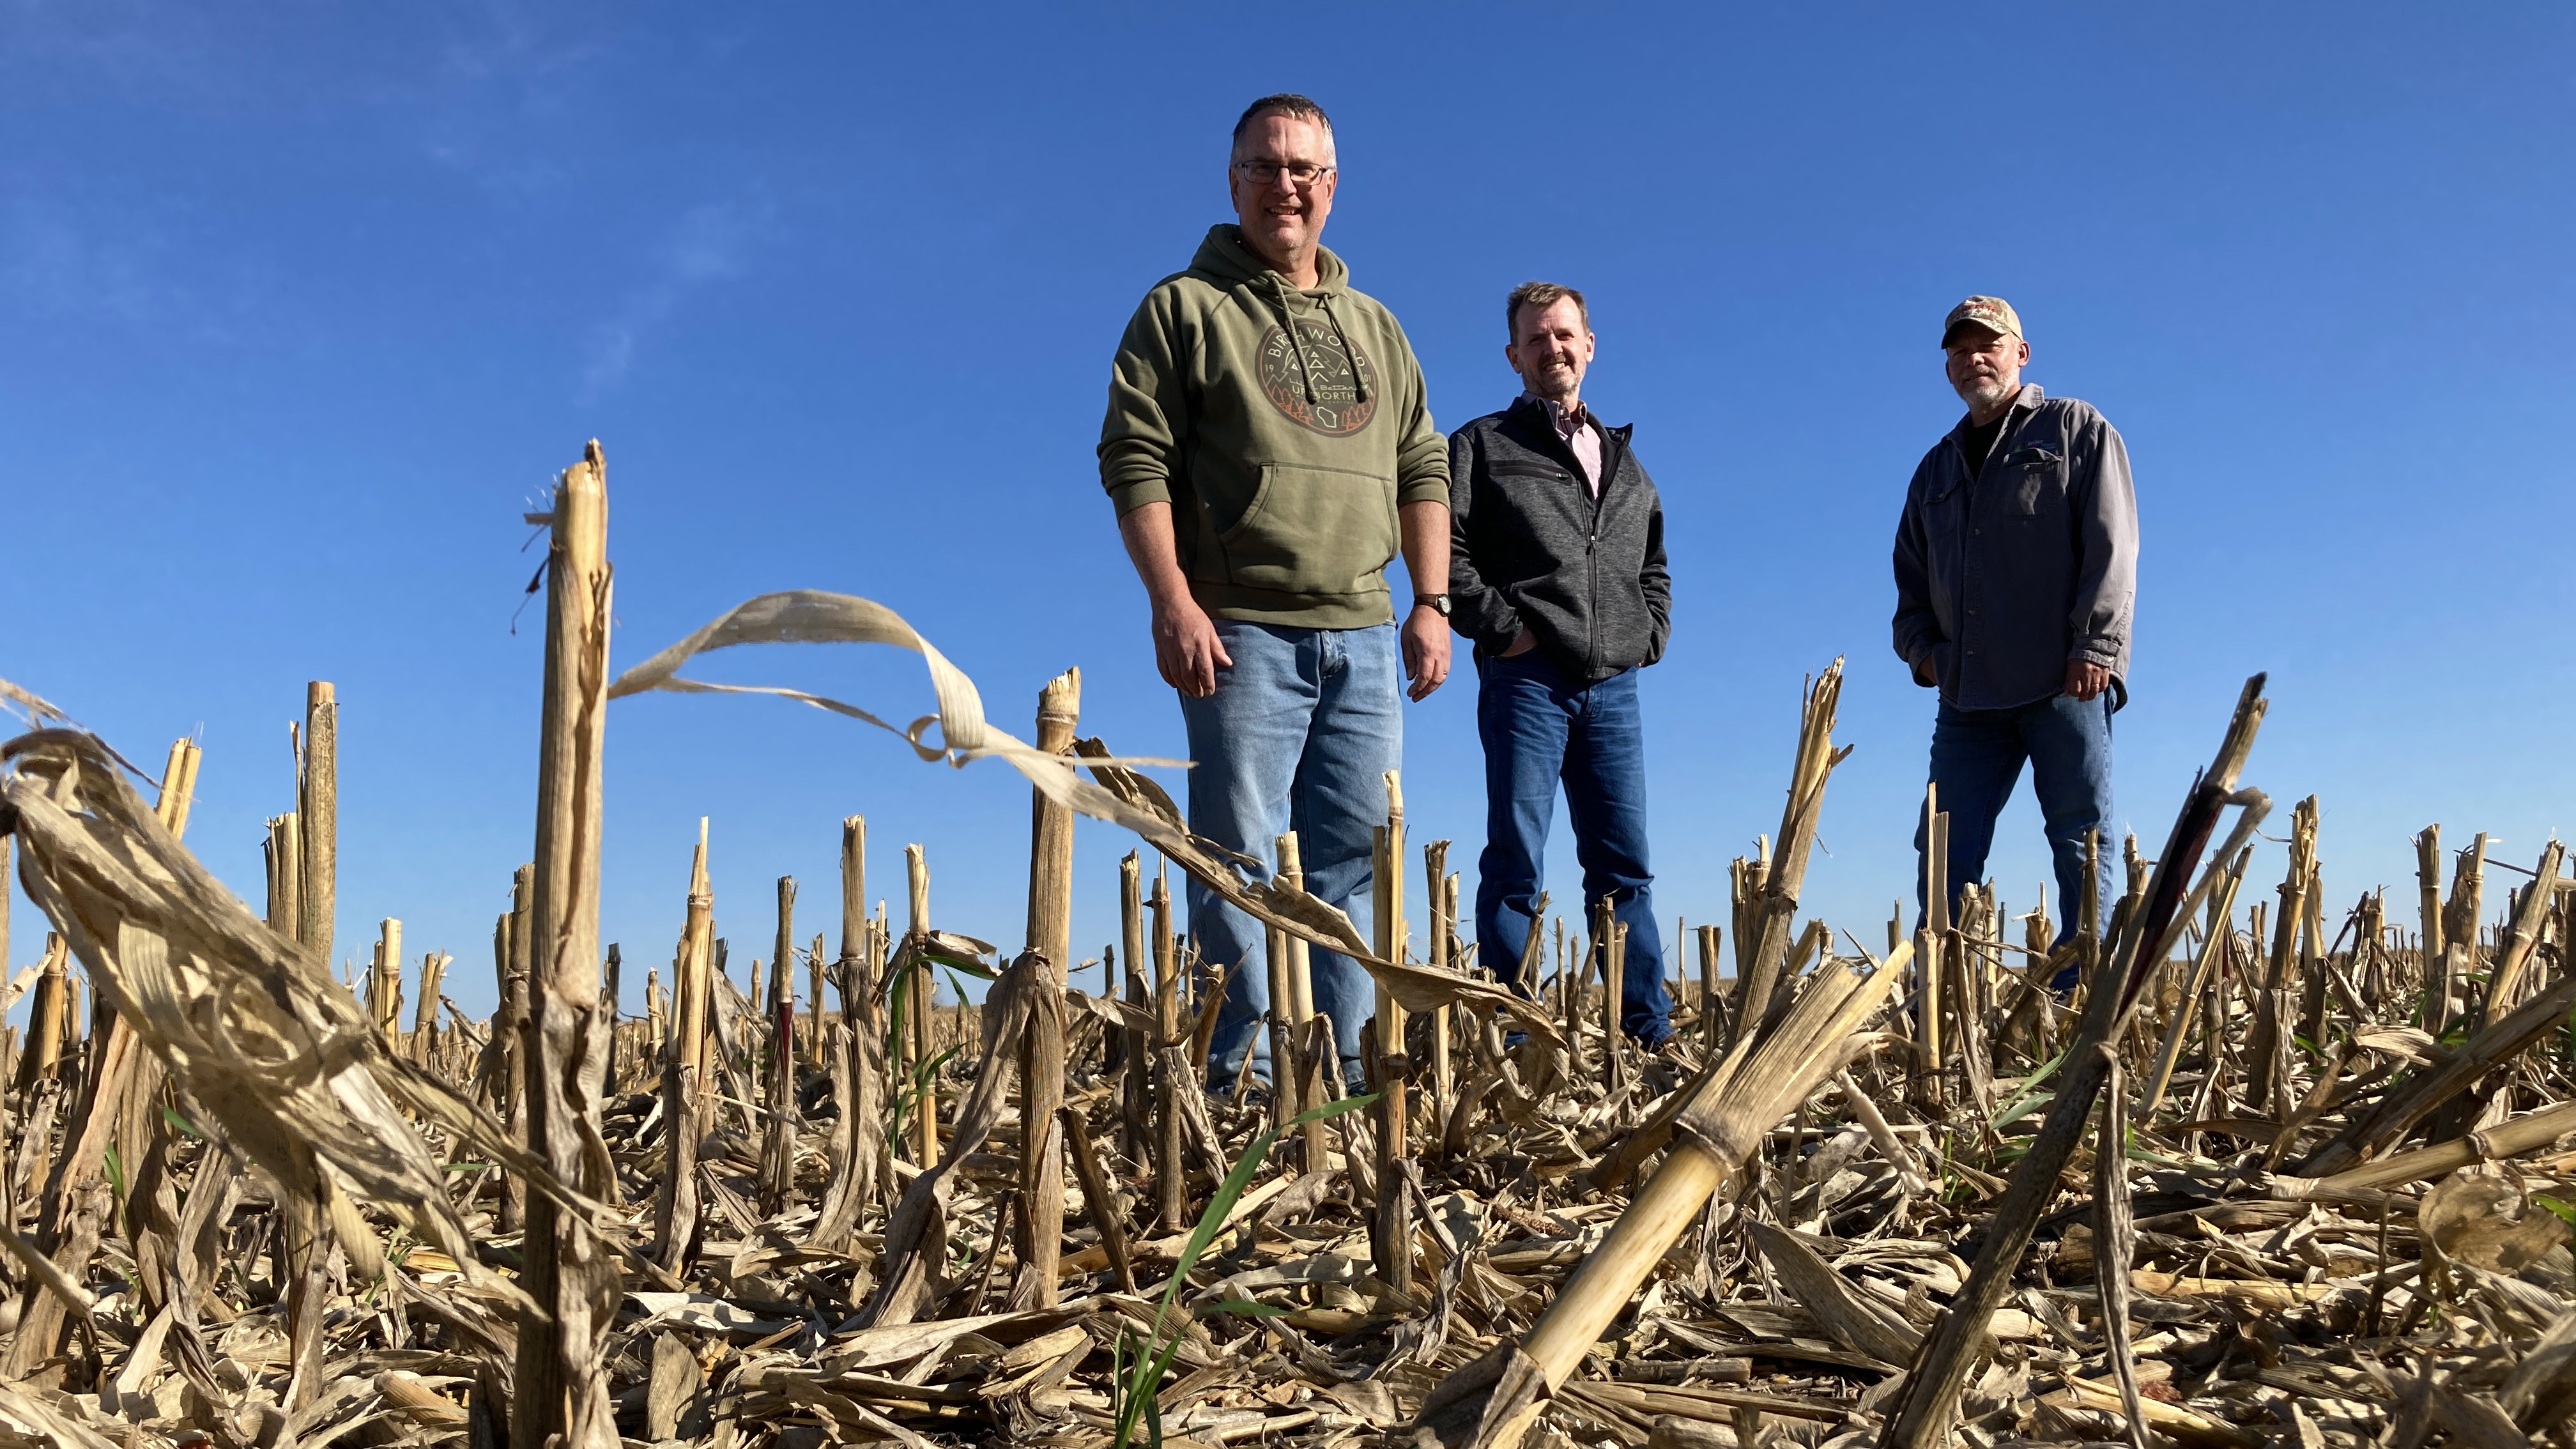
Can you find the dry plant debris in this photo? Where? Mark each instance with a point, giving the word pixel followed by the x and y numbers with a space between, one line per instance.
pixel 2264 1176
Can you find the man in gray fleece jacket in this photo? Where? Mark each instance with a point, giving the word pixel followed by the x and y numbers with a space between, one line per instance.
pixel 1556 572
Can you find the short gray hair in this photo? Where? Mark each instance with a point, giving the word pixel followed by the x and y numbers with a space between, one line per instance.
pixel 1286 103
pixel 1539 294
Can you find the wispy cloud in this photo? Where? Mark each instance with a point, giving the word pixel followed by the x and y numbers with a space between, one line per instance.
pixel 51 265
pixel 508 91
pixel 132 49
pixel 712 242
pixel 72 258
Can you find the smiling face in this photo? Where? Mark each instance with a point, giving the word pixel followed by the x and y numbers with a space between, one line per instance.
pixel 1985 367
pixel 1550 348
pixel 1283 220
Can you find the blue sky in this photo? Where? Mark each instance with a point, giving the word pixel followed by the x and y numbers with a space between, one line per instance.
pixel 301 306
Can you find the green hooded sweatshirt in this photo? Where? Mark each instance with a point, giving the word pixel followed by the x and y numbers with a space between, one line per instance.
pixel 1285 428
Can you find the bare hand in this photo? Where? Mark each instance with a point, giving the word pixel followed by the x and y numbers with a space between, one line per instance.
pixel 1923 672
pixel 1186 648
pixel 2086 681
pixel 1426 651
pixel 1522 643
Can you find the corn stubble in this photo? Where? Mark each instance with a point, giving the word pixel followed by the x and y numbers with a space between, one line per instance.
pixel 2245 1185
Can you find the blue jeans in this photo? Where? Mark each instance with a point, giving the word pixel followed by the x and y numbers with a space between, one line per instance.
pixel 1540 727
pixel 1977 756
pixel 1299 736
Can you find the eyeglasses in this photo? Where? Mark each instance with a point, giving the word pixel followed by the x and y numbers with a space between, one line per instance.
pixel 1303 174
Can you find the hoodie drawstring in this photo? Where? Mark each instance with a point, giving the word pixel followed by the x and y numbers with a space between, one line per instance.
pixel 1359 381
pixel 1305 365
pixel 1288 324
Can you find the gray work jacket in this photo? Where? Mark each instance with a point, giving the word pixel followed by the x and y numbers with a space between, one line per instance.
pixel 2004 579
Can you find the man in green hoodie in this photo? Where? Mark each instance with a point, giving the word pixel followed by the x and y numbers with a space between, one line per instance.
pixel 1270 451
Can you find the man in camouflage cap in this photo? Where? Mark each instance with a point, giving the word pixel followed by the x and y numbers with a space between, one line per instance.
pixel 2016 566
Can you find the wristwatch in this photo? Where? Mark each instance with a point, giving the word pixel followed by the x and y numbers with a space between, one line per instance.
pixel 1439 602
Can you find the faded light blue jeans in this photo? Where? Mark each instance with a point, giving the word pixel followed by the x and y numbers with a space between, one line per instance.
pixel 1299 736
pixel 1540 727
pixel 1977 755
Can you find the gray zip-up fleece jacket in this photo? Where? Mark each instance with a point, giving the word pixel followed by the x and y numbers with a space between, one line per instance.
pixel 2004 579
pixel 1529 544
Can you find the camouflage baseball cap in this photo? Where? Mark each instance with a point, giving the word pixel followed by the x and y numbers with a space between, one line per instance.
pixel 1988 312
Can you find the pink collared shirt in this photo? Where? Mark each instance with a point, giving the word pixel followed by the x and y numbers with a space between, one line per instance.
pixel 1581 434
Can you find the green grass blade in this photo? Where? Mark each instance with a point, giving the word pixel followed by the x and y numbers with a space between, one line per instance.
pixel 1151 1365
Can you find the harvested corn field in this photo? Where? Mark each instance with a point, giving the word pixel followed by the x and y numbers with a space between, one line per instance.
pixel 2274 1169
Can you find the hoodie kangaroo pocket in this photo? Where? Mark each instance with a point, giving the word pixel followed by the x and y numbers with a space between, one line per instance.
pixel 1312 531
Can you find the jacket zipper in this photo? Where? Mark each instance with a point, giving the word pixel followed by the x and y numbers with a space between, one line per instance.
pixel 1591 548
pixel 1592 529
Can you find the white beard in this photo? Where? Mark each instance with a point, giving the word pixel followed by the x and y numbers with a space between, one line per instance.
pixel 1985 392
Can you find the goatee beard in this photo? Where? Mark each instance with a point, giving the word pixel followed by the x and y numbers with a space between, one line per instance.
pixel 1984 392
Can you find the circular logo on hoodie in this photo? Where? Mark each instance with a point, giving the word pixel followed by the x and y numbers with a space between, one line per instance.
pixel 1318 377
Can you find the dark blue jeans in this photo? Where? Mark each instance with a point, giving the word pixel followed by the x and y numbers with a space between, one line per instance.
pixel 1977 756
pixel 1540 727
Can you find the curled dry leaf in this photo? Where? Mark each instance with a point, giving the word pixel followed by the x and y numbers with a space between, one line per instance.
pixel 809 616
pixel 2486 1222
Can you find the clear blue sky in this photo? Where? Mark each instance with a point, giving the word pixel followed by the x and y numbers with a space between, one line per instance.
pixel 301 306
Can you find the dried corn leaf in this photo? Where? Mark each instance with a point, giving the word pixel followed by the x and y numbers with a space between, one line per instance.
pixel 808 616
pixel 281 1056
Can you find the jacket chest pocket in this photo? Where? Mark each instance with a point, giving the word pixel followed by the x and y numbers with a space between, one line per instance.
pixel 1537 490
pixel 1516 477
pixel 2034 482
pixel 1945 518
